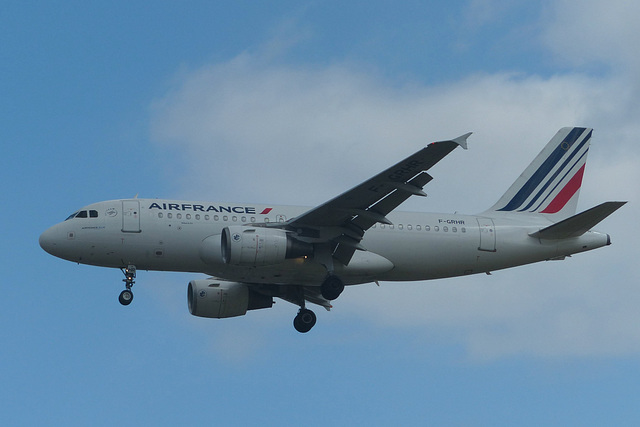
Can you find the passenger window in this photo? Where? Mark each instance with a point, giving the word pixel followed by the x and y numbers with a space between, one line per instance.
pixel 454 229
pixel 464 230
pixel 436 228
pixel 409 227
pixel 400 227
pixel 445 228
pixel 159 214
pixel 188 216
pixel 169 215
pixel 427 228
pixel 216 218
pixel 418 228
pixel 197 216
pixel 179 216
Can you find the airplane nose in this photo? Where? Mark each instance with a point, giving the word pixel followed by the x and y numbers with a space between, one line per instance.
pixel 48 240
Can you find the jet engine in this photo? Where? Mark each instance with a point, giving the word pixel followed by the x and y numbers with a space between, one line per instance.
pixel 259 246
pixel 219 299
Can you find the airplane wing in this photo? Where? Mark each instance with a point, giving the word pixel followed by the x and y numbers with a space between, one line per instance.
pixel 344 219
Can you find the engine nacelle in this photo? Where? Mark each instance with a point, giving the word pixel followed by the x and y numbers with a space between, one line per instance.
pixel 259 246
pixel 219 299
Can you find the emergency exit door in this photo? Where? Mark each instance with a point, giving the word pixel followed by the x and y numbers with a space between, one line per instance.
pixel 131 216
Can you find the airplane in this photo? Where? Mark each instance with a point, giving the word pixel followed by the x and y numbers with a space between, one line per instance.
pixel 254 253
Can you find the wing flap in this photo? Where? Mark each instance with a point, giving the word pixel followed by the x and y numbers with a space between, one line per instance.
pixel 311 294
pixel 578 224
pixel 392 201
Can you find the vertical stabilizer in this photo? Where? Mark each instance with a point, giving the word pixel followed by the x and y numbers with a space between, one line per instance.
pixel 550 185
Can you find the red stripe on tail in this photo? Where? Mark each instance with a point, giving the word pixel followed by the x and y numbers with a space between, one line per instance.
pixel 566 193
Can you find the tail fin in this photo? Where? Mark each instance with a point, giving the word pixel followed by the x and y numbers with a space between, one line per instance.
pixel 551 183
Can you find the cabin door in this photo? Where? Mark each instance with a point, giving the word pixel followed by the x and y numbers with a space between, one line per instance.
pixel 487 235
pixel 131 216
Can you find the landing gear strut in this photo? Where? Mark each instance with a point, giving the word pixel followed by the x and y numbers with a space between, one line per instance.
pixel 126 296
pixel 330 289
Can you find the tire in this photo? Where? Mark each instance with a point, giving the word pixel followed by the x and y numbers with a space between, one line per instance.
pixel 332 287
pixel 304 320
pixel 125 297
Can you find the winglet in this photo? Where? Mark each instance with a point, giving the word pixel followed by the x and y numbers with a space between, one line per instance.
pixel 462 140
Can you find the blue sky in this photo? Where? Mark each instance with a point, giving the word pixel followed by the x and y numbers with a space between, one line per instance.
pixel 293 103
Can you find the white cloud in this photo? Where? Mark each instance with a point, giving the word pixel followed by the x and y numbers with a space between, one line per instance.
pixel 579 307
pixel 599 31
pixel 271 132
pixel 256 130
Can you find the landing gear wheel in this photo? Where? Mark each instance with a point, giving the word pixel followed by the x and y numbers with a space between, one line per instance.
pixel 304 320
pixel 125 297
pixel 332 287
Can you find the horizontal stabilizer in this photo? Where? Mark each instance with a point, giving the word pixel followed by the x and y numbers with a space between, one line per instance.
pixel 578 224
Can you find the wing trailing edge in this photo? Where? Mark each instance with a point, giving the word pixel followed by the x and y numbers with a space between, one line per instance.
pixel 578 224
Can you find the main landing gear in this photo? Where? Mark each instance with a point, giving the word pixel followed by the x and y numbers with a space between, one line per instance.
pixel 126 296
pixel 330 289
pixel 304 320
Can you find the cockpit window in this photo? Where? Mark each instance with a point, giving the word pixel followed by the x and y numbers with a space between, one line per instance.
pixel 83 214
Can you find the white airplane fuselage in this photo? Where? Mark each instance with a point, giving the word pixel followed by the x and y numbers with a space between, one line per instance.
pixel 255 253
pixel 169 235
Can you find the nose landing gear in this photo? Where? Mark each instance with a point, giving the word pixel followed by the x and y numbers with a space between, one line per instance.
pixel 126 296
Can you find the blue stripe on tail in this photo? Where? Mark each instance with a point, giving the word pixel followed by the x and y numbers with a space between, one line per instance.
pixel 558 172
pixel 544 170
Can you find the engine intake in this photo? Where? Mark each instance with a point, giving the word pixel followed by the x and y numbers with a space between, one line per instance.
pixel 219 299
pixel 258 246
